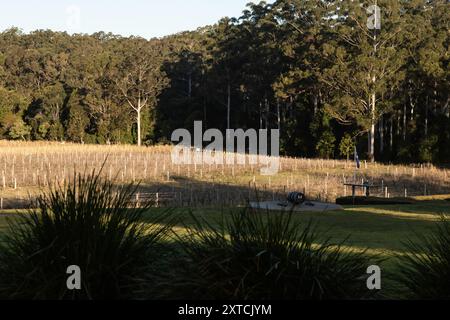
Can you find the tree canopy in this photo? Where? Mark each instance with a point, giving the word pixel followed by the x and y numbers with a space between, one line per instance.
pixel 312 68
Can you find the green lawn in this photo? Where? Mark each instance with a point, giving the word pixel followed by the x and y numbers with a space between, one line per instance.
pixel 381 229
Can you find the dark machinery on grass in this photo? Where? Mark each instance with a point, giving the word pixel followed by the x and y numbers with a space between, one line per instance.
pixel 296 198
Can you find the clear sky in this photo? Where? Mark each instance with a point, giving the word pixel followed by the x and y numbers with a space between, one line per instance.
pixel 146 18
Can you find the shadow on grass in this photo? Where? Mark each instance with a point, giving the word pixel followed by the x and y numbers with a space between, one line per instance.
pixel 370 227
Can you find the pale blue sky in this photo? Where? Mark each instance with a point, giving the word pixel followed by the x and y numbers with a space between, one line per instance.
pixel 146 18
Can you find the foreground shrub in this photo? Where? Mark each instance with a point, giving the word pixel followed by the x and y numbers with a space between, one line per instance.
pixel 425 270
pixel 260 255
pixel 88 223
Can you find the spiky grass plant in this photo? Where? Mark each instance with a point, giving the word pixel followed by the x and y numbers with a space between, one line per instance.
pixel 89 223
pixel 425 270
pixel 262 255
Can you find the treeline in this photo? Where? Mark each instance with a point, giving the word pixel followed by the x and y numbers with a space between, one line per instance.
pixel 317 70
pixel 88 89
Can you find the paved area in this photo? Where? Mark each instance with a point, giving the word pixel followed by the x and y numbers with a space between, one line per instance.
pixel 308 206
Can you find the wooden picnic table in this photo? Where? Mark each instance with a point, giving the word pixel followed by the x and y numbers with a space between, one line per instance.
pixel 365 186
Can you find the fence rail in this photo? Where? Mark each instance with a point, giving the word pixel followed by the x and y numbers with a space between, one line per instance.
pixel 158 198
pixel 226 196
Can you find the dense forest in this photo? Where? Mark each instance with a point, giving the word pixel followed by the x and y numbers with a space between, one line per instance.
pixel 311 68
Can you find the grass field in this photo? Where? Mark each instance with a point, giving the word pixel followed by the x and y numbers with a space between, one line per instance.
pixel 27 168
pixel 382 230
pixel 215 191
pixel 379 228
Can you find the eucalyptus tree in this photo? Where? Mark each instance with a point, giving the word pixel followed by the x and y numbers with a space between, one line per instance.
pixel 141 79
pixel 225 51
pixel 368 58
pixel 186 64
pixel 102 96
pixel 261 58
pixel 297 88
pixel 433 60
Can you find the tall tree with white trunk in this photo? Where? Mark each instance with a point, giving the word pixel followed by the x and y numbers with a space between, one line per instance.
pixel 368 59
pixel 142 79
